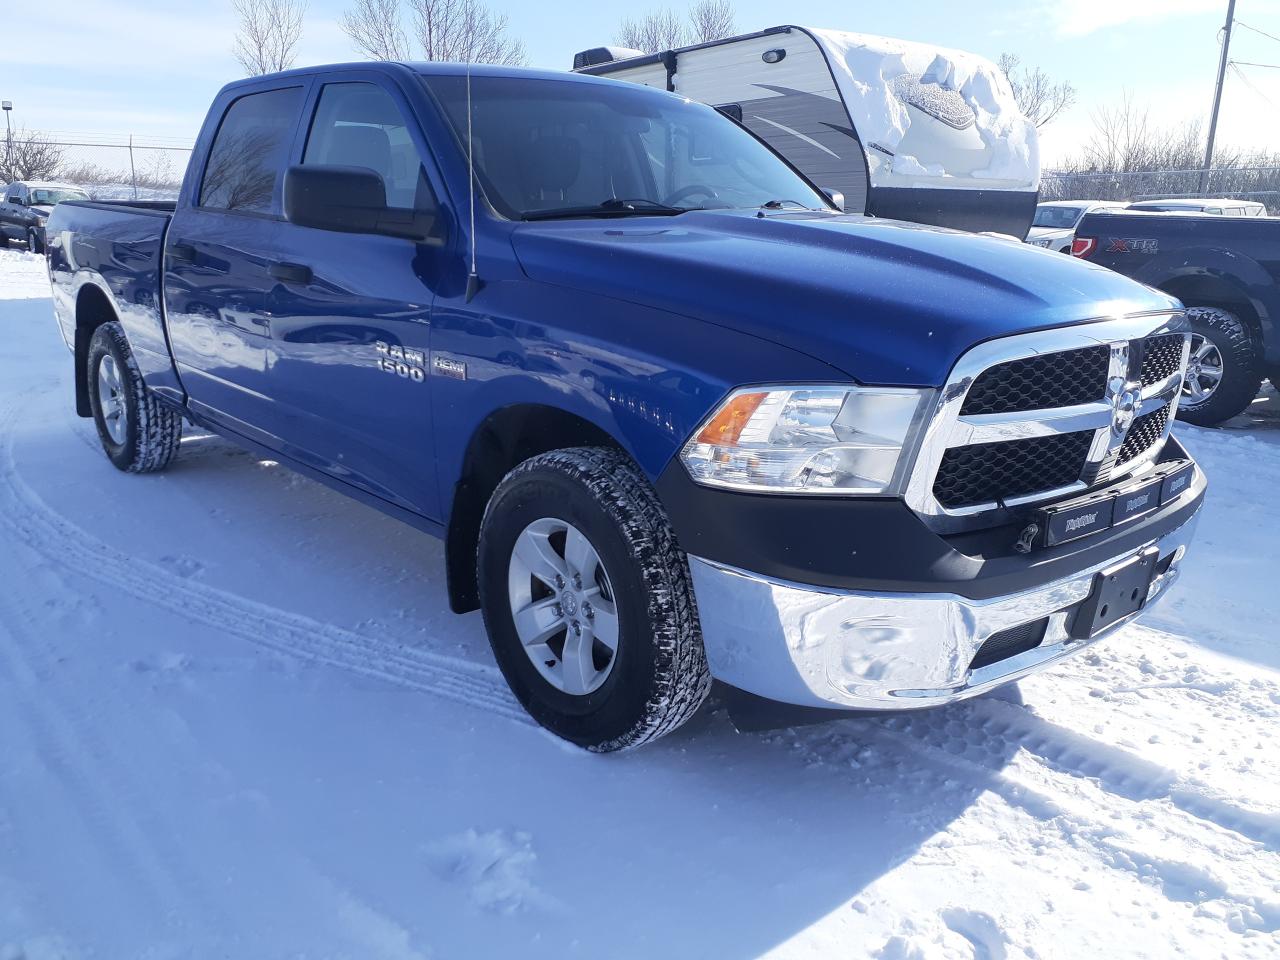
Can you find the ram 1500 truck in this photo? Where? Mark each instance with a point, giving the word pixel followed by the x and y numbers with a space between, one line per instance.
pixel 675 416
pixel 1226 270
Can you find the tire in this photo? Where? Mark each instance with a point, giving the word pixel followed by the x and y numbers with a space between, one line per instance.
pixel 33 242
pixel 1217 333
pixel 139 434
pixel 656 676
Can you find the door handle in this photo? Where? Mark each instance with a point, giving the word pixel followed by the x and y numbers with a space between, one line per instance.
pixel 183 252
pixel 290 272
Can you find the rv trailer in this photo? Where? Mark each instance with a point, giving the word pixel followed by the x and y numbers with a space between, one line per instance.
pixel 903 130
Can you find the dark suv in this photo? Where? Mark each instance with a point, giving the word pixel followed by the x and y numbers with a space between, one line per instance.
pixel 26 206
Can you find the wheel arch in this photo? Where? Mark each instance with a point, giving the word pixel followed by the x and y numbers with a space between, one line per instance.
pixel 506 437
pixel 93 308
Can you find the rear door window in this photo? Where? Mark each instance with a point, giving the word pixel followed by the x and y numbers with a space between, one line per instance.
pixel 250 151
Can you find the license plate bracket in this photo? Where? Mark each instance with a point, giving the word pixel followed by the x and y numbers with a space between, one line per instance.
pixel 1118 592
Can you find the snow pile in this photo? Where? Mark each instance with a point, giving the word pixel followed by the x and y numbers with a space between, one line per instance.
pixel 932 117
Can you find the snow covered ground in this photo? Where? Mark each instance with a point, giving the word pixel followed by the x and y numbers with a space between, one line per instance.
pixel 237 720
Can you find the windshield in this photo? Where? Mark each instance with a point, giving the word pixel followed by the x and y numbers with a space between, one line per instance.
pixel 1062 218
pixel 49 196
pixel 551 147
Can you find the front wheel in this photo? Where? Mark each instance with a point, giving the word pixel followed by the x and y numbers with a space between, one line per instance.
pixel 1223 372
pixel 139 434
pixel 33 241
pixel 588 600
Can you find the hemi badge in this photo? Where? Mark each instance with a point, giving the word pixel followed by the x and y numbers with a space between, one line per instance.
pixel 448 367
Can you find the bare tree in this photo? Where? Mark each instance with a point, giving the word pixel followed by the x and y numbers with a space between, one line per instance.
pixel 711 20
pixel 269 32
pixel 464 31
pixel 459 31
pixel 29 155
pixel 374 25
pixel 1039 98
pixel 654 31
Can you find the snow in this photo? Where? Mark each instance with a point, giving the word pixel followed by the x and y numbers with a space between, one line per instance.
pixel 236 719
pixel 867 70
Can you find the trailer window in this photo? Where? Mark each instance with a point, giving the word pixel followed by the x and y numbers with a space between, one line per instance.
pixel 249 152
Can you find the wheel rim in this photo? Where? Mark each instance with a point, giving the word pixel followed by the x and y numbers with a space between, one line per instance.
pixel 563 606
pixel 1204 372
pixel 31 241
pixel 111 399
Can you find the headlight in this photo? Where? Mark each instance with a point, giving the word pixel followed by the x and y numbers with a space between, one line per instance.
pixel 807 439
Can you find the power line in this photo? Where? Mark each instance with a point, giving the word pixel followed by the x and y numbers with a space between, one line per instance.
pixel 1249 83
pixel 1246 63
pixel 1269 36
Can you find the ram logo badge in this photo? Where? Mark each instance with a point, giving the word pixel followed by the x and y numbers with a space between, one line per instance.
pixel 402 361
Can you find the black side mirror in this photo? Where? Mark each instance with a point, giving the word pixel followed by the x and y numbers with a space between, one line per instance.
pixel 17 201
pixel 351 200
pixel 835 196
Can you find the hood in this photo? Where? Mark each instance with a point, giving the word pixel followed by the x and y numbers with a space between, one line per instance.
pixel 41 210
pixel 884 301
pixel 1049 233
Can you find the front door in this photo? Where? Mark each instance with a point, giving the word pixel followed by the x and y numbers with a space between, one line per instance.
pixel 351 313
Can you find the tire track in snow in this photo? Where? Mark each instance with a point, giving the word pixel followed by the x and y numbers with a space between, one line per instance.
pixel 74 753
pixel 25 514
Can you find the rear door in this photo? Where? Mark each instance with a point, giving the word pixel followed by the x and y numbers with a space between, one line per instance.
pixel 218 255
pixel 351 313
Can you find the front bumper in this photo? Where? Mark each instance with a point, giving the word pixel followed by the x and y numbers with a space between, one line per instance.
pixel 823 647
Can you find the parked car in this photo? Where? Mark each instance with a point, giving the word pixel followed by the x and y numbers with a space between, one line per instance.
pixel 1227 272
pixel 1217 208
pixel 1054 225
pixel 675 416
pixel 898 129
pixel 26 206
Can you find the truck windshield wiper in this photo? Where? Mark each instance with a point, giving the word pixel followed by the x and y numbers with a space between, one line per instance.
pixel 613 207
pixel 779 204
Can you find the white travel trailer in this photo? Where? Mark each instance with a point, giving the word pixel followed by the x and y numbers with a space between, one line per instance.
pixel 901 129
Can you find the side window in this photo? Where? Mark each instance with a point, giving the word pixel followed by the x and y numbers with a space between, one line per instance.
pixel 250 151
pixel 359 125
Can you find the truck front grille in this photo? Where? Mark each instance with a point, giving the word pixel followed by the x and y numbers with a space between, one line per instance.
pixel 1146 432
pixel 1038 383
pixel 1161 357
pixel 987 472
pixel 1033 417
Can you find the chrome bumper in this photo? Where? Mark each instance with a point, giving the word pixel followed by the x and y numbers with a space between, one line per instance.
pixel 817 647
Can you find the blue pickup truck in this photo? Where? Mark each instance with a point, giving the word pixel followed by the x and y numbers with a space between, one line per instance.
pixel 675 415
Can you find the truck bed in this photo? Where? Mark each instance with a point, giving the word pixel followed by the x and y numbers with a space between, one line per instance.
pixel 117 247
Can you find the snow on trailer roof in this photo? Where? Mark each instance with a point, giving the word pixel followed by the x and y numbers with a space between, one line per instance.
pixel 880 77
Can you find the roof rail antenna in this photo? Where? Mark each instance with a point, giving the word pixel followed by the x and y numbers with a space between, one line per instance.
pixel 473 277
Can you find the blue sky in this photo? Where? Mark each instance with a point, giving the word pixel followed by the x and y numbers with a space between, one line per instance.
pixel 150 68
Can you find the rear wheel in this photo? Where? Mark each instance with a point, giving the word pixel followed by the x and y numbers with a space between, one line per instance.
pixel 1223 370
pixel 139 434
pixel 588 600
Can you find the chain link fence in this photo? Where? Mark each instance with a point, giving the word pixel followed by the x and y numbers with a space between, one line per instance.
pixel 1239 183
pixel 108 167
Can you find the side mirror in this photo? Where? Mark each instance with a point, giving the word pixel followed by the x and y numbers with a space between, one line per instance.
pixel 835 196
pixel 18 201
pixel 351 200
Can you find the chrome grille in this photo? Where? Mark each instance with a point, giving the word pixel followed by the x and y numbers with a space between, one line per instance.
pixel 986 472
pixel 1146 432
pixel 1047 414
pixel 1161 357
pixel 1036 383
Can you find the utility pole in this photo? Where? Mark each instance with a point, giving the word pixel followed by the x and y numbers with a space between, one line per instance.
pixel 7 106
pixel 1217 95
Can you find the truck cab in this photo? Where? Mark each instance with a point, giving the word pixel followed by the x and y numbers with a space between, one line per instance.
pixel 675 415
